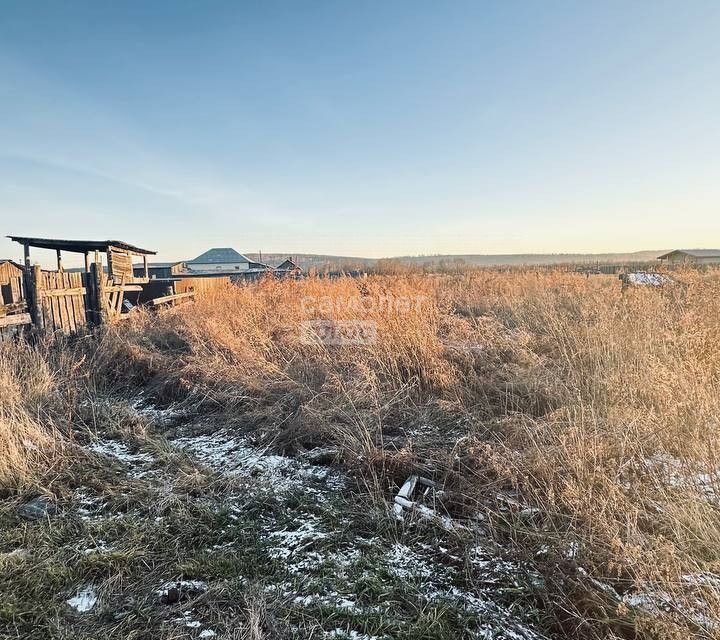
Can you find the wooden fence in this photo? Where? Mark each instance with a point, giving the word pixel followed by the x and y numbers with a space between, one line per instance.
pixel 60 300
pixel 66 302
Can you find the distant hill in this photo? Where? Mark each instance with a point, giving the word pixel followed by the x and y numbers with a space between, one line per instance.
pixel 312 260
pixel 330 262
pixel 535 258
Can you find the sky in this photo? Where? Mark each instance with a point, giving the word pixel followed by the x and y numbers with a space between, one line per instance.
pixel 363 128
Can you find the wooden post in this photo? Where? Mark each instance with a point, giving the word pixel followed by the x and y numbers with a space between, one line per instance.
pixel 87 262
pixel 98 300
pixel 145 265
pixel 26 253
pixel 88 281
pixel 101 302
pixel 59 260
pixel 35 298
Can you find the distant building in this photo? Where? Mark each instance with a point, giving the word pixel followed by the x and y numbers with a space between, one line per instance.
pixel 288 269
pixel 10 281
pixel 694 256
pixel 224 260
pixel 219 260
pixel 161 269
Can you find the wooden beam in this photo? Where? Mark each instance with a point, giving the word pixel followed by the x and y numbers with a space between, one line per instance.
pixel 19 318
pixel 145 265
pixel 58 293
pixel 127 287
pixel 13 307
pixel 87 262
pixel 173 298
pixel 26 254
pixel 59 260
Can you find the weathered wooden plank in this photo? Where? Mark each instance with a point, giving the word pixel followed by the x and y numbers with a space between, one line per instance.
pixel 35 282
pixel 120 264
pixel 127 287
pixel 173 298
pixel 68 302
pixel 18 318
pixel 13 307
pixel 59 293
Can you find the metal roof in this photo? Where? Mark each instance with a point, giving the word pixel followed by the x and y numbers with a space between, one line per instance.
pixel 695 253
pixel 80 246
pixel 219 255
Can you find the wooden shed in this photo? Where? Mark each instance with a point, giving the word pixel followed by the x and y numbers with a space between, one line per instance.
pixel 64 300
pixel 11 277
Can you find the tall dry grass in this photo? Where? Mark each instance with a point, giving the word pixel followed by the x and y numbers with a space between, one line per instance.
pixel 593 411
pixel 33 412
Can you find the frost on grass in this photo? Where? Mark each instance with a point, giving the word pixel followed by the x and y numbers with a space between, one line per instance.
pixel 319 564
pixel 694 605
pixel 177 590
pixel 673 472
pixel 231 455
pixel 84 600
pixel 404 563
pixel 137 463
pixel 341 634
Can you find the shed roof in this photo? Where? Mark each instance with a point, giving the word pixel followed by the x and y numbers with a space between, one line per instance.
pixel 219 255
pixel 695 253
pixel 11 261
pixel 80 246
pixel 288 265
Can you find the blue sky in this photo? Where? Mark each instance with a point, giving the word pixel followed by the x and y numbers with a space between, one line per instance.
pixel 362 128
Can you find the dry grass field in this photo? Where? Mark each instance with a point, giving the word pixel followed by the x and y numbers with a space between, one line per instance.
pixel 572 431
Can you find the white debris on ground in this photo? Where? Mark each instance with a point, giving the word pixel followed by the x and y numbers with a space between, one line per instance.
pixel 646 279
pixel 406 501
pixel 84 600
pixel 207 633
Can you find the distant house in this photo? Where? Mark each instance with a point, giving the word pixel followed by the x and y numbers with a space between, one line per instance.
pixel 694 256
pixel 158 270
pixel 288 269
pixel 219 260
pixel 227 262
pixel 223 260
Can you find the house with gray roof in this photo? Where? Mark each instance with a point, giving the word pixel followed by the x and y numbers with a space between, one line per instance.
pixel 693 256
pixel 225 261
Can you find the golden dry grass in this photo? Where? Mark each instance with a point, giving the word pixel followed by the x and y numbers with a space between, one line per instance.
pixel 596 411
